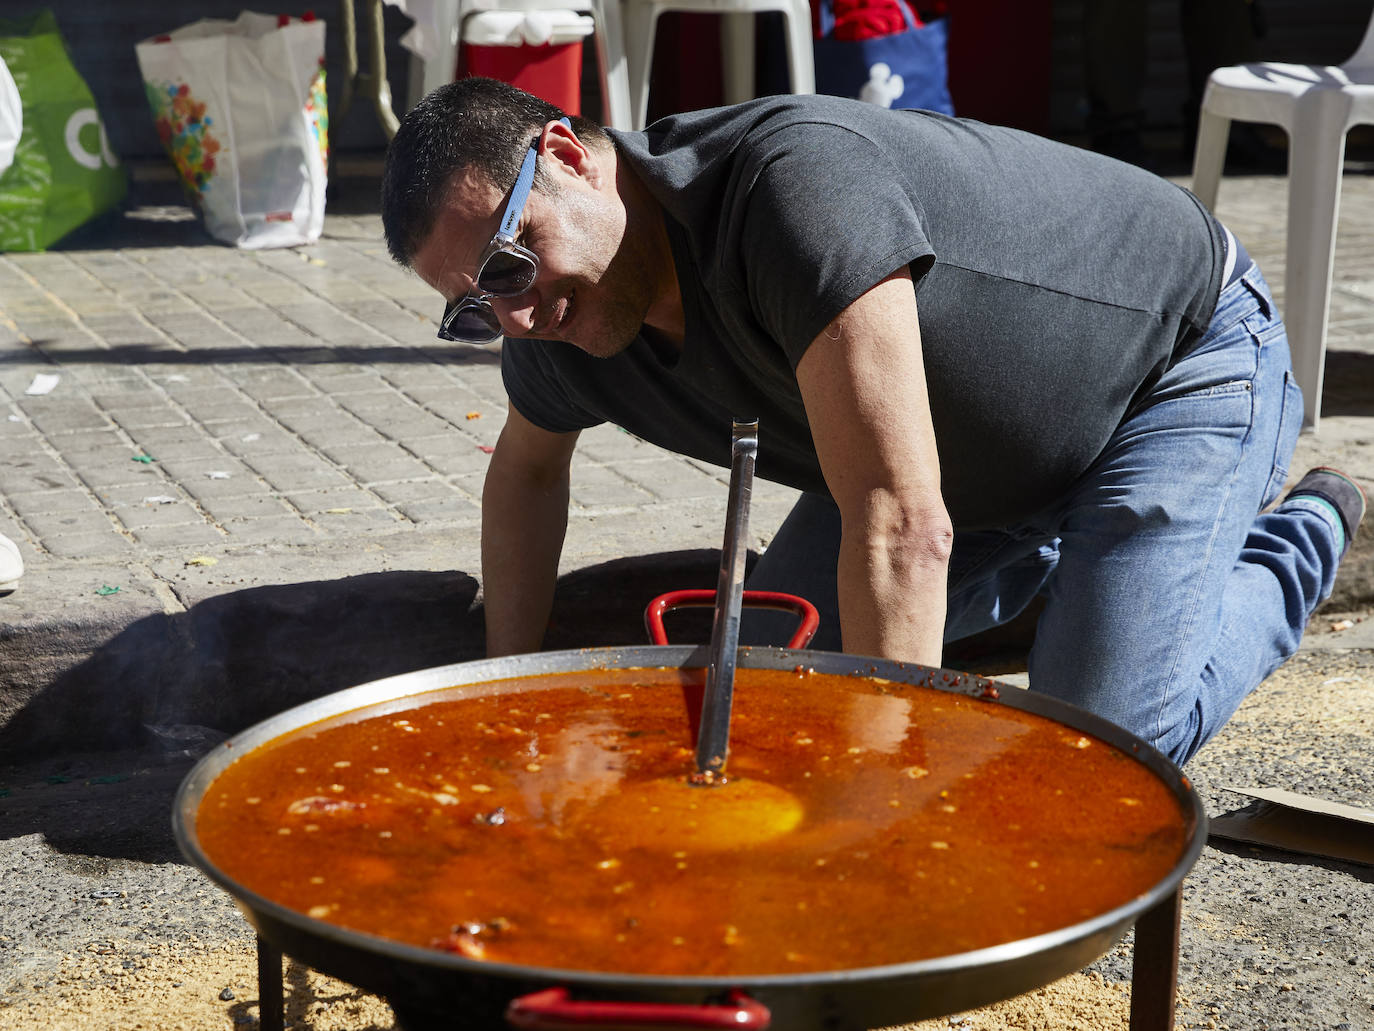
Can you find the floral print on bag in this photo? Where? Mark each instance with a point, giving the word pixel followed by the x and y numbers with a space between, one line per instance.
pixel 317 110
pixel 184 129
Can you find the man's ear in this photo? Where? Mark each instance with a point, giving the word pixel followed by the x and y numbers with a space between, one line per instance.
pixel 565 153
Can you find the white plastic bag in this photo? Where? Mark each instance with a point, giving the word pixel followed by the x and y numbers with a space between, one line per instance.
pixel 240 107
pixel 11 116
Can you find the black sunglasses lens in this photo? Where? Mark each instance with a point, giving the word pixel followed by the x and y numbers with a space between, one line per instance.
pixel 471 324
pixel 506 274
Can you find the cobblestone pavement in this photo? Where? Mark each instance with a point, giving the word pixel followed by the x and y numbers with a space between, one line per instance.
pixel 257 476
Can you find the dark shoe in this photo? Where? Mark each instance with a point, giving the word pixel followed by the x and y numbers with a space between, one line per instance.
pixel 1341 492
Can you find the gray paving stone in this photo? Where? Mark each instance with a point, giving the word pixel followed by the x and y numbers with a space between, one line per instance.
pixel 376 463
pixel 229 508
pixel 55 415
pixel 341 379
pixel 220 405
pixel 594 486
pixel 147 514
pixel 195 330
pixel 470 479
pixel 315 502
pixel 360 521
pixel 180 536
pixel 673 480
pixel 265 328
pixel 263 382
pixel 339 430
pixel 406 491
pixel 86 545
pixel 255 437
pixel 147 417
pixel 290 471
pixel 203 479
pixel 130 392
pixel 171 442
pixel 121 327
pixel 50 502
pixel 608 444
pixel 408 424
pixel 51 525
pixel 441 510
pixel 271 530
pixel 100 470
pixel 105 441
pixel 189 380
pixel 448 455
pixel 382 400
pixel 36 471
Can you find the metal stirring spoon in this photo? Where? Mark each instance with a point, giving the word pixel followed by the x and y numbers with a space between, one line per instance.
pixel 713 738
pixel 738 812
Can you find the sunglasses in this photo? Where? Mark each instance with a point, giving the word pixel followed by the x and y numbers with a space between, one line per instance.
pixel 505 270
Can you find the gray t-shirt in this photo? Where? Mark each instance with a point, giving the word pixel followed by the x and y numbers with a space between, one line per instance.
pixel 1053 288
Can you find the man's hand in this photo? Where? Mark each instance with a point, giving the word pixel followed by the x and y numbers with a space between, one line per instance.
pixel 863 382
pixel 524 519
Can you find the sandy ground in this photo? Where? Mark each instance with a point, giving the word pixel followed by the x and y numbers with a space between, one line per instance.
pixel 125 988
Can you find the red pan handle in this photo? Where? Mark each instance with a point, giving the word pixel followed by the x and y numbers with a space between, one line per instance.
pixel 552 1010
pixel 705 598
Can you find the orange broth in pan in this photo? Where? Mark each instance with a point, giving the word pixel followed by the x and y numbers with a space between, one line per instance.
pixel 870 823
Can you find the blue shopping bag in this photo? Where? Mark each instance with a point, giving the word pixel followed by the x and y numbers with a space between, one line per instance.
pixel 908 68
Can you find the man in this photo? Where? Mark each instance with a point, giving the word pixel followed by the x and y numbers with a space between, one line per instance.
pixel 998 366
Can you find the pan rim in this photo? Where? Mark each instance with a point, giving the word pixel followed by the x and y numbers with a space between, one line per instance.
pixel 406 686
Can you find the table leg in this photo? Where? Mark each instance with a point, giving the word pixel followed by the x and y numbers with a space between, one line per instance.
pixel 271 994
pixel 1154 971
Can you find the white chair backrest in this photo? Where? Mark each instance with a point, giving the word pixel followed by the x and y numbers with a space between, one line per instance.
pixel 1363 58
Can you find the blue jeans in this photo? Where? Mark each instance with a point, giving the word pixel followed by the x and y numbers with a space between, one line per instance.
pixel 1169 595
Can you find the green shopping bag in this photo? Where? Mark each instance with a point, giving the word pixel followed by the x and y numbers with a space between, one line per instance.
pixel 63 173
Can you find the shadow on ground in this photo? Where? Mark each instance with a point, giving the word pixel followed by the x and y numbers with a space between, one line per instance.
pixel 94 760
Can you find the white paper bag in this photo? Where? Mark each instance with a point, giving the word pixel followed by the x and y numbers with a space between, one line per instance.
pixel 240 107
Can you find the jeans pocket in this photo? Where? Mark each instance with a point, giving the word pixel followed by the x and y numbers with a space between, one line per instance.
pixel 1290 425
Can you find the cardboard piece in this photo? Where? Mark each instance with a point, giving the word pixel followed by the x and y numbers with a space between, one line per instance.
pixel 1300 823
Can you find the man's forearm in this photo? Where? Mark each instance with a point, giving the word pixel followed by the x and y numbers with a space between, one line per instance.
pixel 523 525
pixel 892 591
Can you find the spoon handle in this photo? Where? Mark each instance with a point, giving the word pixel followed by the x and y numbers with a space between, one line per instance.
pixel 713 741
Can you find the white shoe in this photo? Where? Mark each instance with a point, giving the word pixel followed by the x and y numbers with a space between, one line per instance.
pixel 11 564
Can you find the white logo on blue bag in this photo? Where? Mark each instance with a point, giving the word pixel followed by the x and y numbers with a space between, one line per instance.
pixel 883 87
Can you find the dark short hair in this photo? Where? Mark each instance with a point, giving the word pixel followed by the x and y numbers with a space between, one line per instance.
pixel 480 124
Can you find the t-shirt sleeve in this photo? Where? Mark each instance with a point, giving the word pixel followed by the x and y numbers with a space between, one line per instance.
pixel 827 217
pixel 537 392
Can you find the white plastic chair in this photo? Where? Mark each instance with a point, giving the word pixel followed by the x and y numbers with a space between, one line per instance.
pixel 607 38
pixel 1316 106
pixel 737 45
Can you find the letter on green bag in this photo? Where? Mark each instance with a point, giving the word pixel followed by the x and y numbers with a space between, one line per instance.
pixel 64 172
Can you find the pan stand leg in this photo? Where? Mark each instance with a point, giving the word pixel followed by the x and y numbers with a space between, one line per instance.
pixel 271 995
pixel 1154 971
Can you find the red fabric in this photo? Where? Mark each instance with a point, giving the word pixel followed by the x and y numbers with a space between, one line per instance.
pixel 865 19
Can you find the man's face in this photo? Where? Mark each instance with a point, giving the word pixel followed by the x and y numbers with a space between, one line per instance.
pixel 588 291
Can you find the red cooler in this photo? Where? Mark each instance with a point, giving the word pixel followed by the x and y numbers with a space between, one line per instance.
pixel 538 51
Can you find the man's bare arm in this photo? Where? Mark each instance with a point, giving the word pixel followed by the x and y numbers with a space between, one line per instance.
pixel 524 519
pixel 863 382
